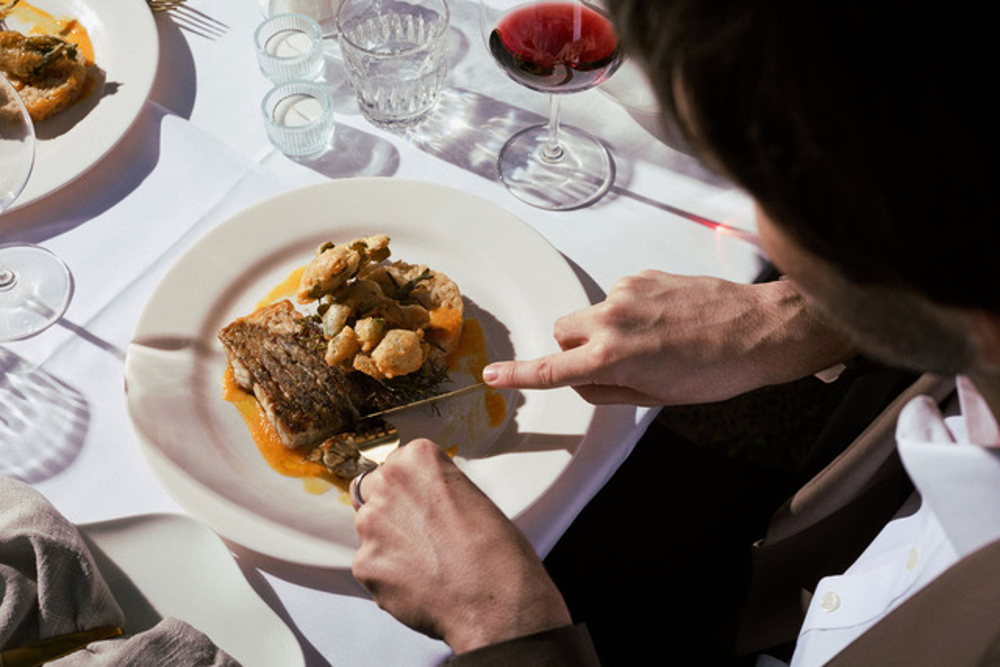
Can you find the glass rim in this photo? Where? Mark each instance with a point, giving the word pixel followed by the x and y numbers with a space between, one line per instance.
pixel 311 28
pixel 342 35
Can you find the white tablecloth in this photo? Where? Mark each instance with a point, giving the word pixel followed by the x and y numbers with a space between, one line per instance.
pixel 198 153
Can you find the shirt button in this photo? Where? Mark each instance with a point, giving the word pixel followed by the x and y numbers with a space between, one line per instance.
pixel 830 602
pixel 913 558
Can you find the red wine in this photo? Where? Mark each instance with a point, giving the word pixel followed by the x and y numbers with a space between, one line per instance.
pixel 556 47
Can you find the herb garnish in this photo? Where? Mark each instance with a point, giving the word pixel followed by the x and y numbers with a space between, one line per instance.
pixel 402 292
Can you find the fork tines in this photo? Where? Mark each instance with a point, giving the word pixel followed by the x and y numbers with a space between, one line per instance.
pixel 189 18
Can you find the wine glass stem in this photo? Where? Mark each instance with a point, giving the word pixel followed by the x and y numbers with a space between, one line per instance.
pixel 552 151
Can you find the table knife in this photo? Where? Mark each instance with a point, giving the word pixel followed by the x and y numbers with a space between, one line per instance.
pixel 378 444
pixel 427 401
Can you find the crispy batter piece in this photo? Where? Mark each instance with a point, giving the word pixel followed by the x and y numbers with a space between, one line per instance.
pixel 334 265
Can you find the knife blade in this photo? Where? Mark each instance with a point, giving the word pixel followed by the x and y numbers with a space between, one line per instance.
pixel 377 446
pixel 427 401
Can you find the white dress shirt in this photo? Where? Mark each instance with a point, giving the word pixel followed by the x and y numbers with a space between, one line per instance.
pixel 954 463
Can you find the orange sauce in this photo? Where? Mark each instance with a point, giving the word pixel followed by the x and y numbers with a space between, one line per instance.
pixel 469 356
pixel 285 289
pixel 65 27
pixel 288 462
pixel 447 319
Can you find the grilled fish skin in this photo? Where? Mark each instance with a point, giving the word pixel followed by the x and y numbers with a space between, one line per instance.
pixel 306 399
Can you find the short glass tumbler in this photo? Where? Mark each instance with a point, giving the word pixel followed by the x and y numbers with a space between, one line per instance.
pixel 396 54
pixel 298 117
pixel 290 47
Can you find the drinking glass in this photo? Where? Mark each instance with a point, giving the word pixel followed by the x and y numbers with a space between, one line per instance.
pixel 554 47
pixel 298 117
pixel 396 53
pixel 34 283
pixel 289 47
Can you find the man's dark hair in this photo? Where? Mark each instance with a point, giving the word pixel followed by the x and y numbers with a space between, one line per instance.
pixel 860 127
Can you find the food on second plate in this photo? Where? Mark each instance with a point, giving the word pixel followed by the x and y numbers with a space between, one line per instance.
pixel 50 72
pixel 377 334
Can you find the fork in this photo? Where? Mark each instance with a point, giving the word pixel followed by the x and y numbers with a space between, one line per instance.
pixel 189 18
pixel 372 439
pixel 376 446
pixel 351 453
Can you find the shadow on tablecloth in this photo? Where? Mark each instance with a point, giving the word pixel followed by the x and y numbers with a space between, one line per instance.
pixel 43 421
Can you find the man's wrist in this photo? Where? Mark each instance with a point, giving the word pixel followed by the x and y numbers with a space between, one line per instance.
pixel 498 623
pixel 568 645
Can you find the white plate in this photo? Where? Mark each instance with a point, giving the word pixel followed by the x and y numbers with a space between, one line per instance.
pixel 515 283
pixel 126 49
pixel 144 560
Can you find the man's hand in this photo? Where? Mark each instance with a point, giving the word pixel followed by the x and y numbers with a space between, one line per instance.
pixel 663 339
pixel 442 558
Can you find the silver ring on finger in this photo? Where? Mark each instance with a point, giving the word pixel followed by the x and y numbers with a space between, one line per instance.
pixel 355 490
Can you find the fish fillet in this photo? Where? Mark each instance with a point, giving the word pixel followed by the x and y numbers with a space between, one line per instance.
pixel 306 399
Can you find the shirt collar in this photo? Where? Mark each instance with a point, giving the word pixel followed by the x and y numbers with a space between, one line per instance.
pixel 954 463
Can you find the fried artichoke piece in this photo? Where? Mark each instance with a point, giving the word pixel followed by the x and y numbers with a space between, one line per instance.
pixel 334 265
pixel 343 347
pixel 400 352
pixel 341 453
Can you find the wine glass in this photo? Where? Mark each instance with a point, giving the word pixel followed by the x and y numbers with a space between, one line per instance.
pixel 555 47
pixel 34 283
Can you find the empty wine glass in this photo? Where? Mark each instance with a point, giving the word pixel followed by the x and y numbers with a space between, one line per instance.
pixel 34 283
pixel 555 47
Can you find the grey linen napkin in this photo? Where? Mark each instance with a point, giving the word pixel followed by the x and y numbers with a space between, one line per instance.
pixel 50 586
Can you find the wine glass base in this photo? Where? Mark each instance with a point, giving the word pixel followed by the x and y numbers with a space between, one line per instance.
pixel 580 176
pixel 34 292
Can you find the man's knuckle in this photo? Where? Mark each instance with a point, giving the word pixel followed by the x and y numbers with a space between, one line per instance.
pixel 545 372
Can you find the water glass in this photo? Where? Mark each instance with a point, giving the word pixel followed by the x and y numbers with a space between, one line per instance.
pixel 396 55
pixel 298 117
pixel 289 47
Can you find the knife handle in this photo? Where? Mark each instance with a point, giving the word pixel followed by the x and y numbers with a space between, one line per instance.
pixel 51 648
